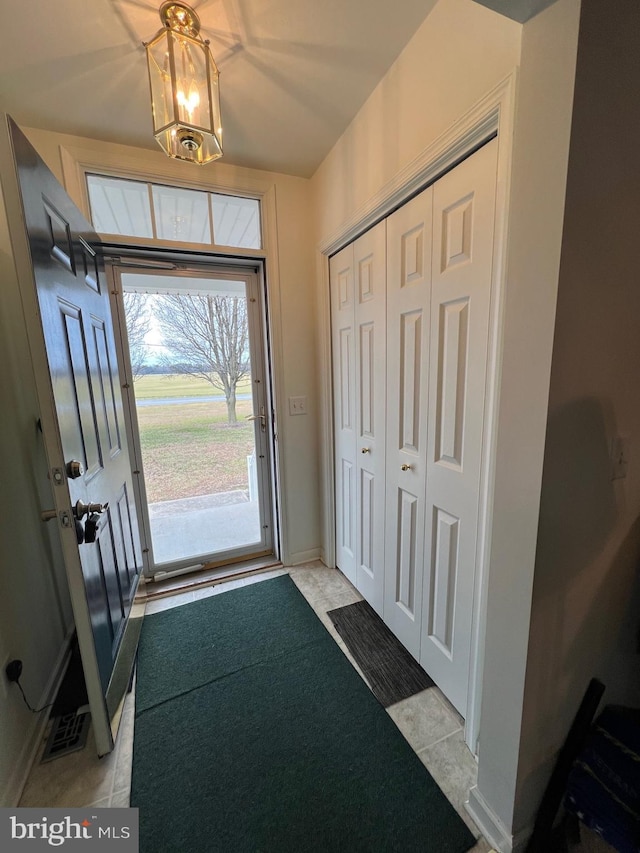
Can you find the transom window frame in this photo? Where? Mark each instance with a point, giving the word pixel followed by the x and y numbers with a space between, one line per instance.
pixel 155 221
pixel 78 164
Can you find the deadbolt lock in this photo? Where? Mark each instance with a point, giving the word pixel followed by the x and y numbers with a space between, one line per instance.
pixel 75 469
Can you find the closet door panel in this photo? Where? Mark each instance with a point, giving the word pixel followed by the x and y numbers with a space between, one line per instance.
pixel 464 212
pixel 369 264
pixel 409 241
pixel 343 338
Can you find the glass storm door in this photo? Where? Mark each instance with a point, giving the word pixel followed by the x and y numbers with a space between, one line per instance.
pixel 200 395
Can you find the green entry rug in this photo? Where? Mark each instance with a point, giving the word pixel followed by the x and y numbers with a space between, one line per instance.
pixel 254 733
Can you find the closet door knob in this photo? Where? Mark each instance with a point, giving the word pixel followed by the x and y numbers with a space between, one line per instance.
pixel 366 450
pixel 406 467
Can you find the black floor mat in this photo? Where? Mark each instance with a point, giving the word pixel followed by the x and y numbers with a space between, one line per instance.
pixel 388 667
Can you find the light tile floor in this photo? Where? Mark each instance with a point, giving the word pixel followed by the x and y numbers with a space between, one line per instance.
pixel 428 722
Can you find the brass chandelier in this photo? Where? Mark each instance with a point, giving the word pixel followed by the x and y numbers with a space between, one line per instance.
pixel 184 83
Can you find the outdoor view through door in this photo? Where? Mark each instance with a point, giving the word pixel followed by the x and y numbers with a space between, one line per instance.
pixel 201 405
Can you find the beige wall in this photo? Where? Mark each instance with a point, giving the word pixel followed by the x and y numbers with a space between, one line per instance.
pixel 457 55
pixel 586 596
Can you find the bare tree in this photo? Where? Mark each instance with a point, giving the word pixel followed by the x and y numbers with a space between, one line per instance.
pixel 208 337
pixel 138 322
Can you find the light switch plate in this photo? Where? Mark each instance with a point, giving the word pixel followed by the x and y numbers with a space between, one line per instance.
pixel 297 405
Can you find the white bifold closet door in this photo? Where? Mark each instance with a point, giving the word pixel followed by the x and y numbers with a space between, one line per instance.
pixel 463 228
pixel 408 482
pixel 358 301
pixel 409 239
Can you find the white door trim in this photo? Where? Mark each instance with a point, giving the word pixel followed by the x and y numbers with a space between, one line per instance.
pixel 493 114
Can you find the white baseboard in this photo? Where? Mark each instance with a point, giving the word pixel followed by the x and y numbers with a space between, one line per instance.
pixel 323 558
pixel 303 557
pixel 33 741
pixel 488 823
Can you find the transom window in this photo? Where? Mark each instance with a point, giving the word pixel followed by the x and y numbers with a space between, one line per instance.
pixel 156 211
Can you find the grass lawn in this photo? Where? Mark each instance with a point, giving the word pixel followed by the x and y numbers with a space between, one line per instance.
pixel 180 385
pixel 190 450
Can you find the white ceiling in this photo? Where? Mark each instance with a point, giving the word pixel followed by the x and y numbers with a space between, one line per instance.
pixel 293 73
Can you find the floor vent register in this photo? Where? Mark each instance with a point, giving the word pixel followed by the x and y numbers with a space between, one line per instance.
pixel 68 734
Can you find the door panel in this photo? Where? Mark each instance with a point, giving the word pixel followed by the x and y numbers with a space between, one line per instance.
pixel 405 569
pixel 344 378
pixel 370 323
pixel 439 616
pixel 464 202
pixel 110 576
pixel 104 372
pixel 79 403
pixel 408 325
pixel 127 562
pixel 78 336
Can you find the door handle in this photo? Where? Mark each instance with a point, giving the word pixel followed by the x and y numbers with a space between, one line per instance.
pixel 406 467
pixel 261 417
pixel 81 509
pixel 366 450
